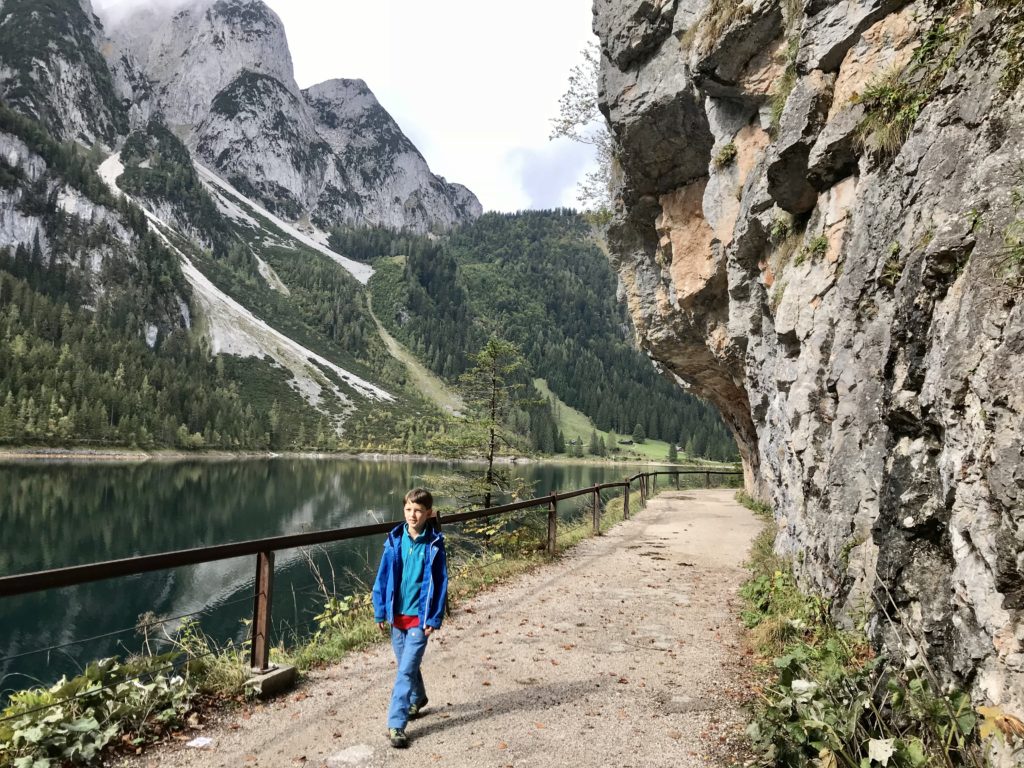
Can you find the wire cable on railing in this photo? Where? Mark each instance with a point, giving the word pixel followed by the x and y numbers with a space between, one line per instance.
pixel 116 632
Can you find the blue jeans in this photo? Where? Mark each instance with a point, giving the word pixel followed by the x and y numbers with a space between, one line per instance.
pixel 409 645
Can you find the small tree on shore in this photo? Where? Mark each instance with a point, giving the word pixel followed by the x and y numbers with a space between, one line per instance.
pixel 489 390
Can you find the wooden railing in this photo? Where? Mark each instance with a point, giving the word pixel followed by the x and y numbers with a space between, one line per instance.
pixel 264 549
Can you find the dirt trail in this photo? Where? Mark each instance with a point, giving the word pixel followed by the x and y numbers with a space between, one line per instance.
pixel 623 653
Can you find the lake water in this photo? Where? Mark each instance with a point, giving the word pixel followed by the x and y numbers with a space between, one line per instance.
pixel 60 514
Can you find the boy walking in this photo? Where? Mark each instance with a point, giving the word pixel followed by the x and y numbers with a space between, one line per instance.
pixel 409 593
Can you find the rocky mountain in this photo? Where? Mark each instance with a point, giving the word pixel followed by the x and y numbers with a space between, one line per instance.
pixel 51 69
pixel 219 72
pixel 821 228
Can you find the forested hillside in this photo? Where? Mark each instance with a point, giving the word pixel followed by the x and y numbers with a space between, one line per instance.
pixel 101 352
pixel 103 340
pixel 537 279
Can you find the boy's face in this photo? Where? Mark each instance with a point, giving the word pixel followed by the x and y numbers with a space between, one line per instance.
pixel 416 515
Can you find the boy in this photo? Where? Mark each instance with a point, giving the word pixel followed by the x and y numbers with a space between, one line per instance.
pixel 409 593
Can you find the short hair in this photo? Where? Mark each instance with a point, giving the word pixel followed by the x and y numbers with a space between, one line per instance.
pixel 420 496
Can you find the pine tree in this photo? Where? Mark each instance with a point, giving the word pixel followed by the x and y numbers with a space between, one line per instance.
pixel 639 436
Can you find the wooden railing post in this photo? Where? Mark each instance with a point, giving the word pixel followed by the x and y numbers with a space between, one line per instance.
pixel 597 510
pixel 654 482
pixel 677 481
pixel 263 593
pixel 707 479
pixel 643 491
pixel 625 503
pixel 552 524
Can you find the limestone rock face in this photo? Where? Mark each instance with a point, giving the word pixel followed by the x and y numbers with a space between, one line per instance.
pixel 220 73
pixel 378 174
pixel 846 284
pixel 51 70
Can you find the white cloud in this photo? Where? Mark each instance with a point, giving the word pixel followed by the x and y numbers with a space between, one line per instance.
pixel 473 84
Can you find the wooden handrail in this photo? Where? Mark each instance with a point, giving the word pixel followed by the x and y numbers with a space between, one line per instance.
pixel 264 549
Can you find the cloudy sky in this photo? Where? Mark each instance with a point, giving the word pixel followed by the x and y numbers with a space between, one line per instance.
pixel 474 84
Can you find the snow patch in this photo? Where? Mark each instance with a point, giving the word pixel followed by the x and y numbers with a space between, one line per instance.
pixel 151 334
pixel 361 272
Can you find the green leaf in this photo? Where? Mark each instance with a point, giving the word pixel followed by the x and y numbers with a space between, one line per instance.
pixel 83 725
pixel 915 753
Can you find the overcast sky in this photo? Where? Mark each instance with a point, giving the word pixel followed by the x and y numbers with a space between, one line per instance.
pixel 474 84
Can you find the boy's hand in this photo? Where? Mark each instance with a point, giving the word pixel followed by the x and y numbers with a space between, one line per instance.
pixel 382 626
pixel 427 631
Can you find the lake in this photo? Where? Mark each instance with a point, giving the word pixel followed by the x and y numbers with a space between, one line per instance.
pixel 60 514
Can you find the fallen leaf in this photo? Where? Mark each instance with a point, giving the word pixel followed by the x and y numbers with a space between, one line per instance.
pixel 675 735
pixel 502 745
pixel 539 725
pixel 568 646
pixel 554 663
pixel 486 682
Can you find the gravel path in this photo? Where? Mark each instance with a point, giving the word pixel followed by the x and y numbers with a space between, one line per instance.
pixel 625 652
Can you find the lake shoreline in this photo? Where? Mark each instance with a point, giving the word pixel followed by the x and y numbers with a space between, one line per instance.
pixel 138 456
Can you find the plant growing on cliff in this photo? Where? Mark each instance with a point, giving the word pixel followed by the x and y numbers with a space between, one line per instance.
pixel 780 229
pixel 784 86
pixel 893 102
pixel 1013 52
pixel 815 250
pixel 725 156
pixel 719 16
pixel 893 269
pixel 1011 260
pixel 828 700
pixel 891 107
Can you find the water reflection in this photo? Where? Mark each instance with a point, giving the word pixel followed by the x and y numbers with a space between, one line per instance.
pixel 55 515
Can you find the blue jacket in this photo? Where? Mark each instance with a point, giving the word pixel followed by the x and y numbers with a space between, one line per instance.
pixel 434 589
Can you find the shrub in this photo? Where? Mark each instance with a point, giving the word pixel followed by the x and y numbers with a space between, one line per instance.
pixel 726 155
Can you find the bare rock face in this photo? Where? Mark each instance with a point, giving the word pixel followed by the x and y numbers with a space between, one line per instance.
pixel 378 174
pixel 821 230
pixel 51 70
pixel 220 73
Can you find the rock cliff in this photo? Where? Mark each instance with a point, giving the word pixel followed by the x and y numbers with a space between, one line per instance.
pixel 820 227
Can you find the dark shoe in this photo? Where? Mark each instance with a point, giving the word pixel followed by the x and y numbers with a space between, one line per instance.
pixel 415 709
pixel 398 738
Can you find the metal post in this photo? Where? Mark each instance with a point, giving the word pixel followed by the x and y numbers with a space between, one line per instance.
pixel 552 524
pixel 707 479
pixel 625 503
pixel 597 510
pixel 263 592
